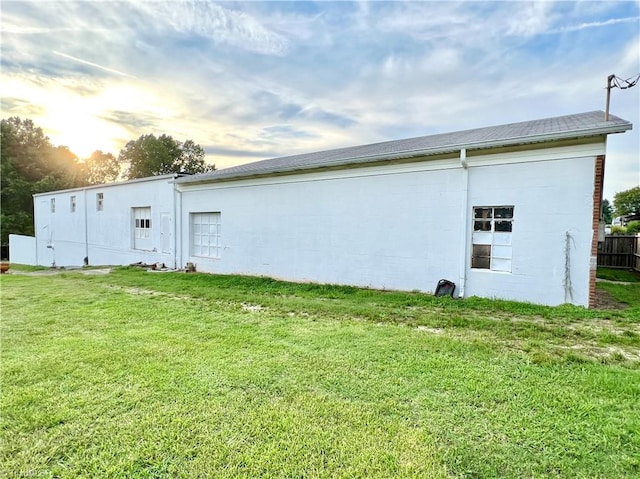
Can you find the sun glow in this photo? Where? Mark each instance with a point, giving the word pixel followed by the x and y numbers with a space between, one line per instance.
pixel 78 122
pixel 82 134
pixel 82 115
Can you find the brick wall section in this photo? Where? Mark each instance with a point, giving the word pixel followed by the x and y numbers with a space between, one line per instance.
pixel 597 202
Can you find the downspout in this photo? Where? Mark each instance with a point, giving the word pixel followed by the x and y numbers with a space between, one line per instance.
pixel 465 222
pixel 177 221
pixel 86 230
pixel 35 225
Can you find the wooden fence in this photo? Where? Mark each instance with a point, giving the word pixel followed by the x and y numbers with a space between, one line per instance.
pixel 620 251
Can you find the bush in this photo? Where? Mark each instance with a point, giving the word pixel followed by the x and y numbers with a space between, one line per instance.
pixel 618 230
pixel 633 227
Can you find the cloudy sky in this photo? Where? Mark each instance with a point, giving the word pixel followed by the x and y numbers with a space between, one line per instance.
pixel 254 80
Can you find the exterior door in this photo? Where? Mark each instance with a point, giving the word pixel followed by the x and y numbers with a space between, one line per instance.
pixel 165 231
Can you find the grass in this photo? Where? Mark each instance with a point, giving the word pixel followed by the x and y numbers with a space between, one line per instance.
pixel 26 267
pixel 613 274
pixel 150 375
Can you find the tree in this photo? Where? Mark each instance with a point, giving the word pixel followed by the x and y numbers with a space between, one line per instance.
pixel 633 227
pixel 607 212
pixel 193 159
pixel 16 205
pixel 30 164
pixel 627 202
pixel 150 156
pixel 101 168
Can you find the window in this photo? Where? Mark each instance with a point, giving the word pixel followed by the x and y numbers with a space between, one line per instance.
pixel 205 234
pixel 99 201
pixel 53 205
pixel 73 204
pixel 142 228
pixel 491 240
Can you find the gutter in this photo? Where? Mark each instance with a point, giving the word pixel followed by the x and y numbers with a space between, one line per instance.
pixel 168 176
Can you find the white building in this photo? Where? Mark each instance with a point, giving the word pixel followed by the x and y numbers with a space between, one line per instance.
pixel 509 212
pixel 118 223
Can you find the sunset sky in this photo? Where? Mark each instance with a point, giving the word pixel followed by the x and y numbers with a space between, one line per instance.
pixel 254 80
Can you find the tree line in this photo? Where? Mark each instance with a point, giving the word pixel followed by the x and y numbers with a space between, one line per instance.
pixel 30 164
pixel 625 203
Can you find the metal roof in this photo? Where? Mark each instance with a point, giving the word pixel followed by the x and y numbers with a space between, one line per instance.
pixel 547 129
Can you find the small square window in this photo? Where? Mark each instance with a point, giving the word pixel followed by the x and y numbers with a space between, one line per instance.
pixel 481 257
pixel 482 226
pixel 505 226
pixel 506 212
pixel 480 262
pixel 482 213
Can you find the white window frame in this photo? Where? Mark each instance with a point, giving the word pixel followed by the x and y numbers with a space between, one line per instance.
pixel 99 201
pixel 492 238
pixel 72 204
pixel 53 205
pixel 205 234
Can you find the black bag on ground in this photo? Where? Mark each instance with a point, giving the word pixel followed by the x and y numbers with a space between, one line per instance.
pixel 445 288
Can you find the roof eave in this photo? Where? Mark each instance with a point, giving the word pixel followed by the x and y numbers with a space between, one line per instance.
pixel 545 138
pixel 169 176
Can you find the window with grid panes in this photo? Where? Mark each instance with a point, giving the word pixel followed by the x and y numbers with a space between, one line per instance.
pixel 491 246
pixel 142 220
pixel 205 234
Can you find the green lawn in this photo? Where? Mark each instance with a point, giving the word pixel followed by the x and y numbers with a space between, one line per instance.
pixel 615 274
pixel 149 375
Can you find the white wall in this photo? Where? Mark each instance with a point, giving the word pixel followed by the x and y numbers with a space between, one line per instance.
pixel 383 227
pixel 106 237
pixel 550 198
pixel 22 249
pixel 405 226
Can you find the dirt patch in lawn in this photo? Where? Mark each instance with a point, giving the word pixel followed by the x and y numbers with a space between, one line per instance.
pixel 53 271
pixel 605 301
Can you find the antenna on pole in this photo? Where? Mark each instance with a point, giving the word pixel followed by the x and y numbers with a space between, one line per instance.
pixel 615 82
